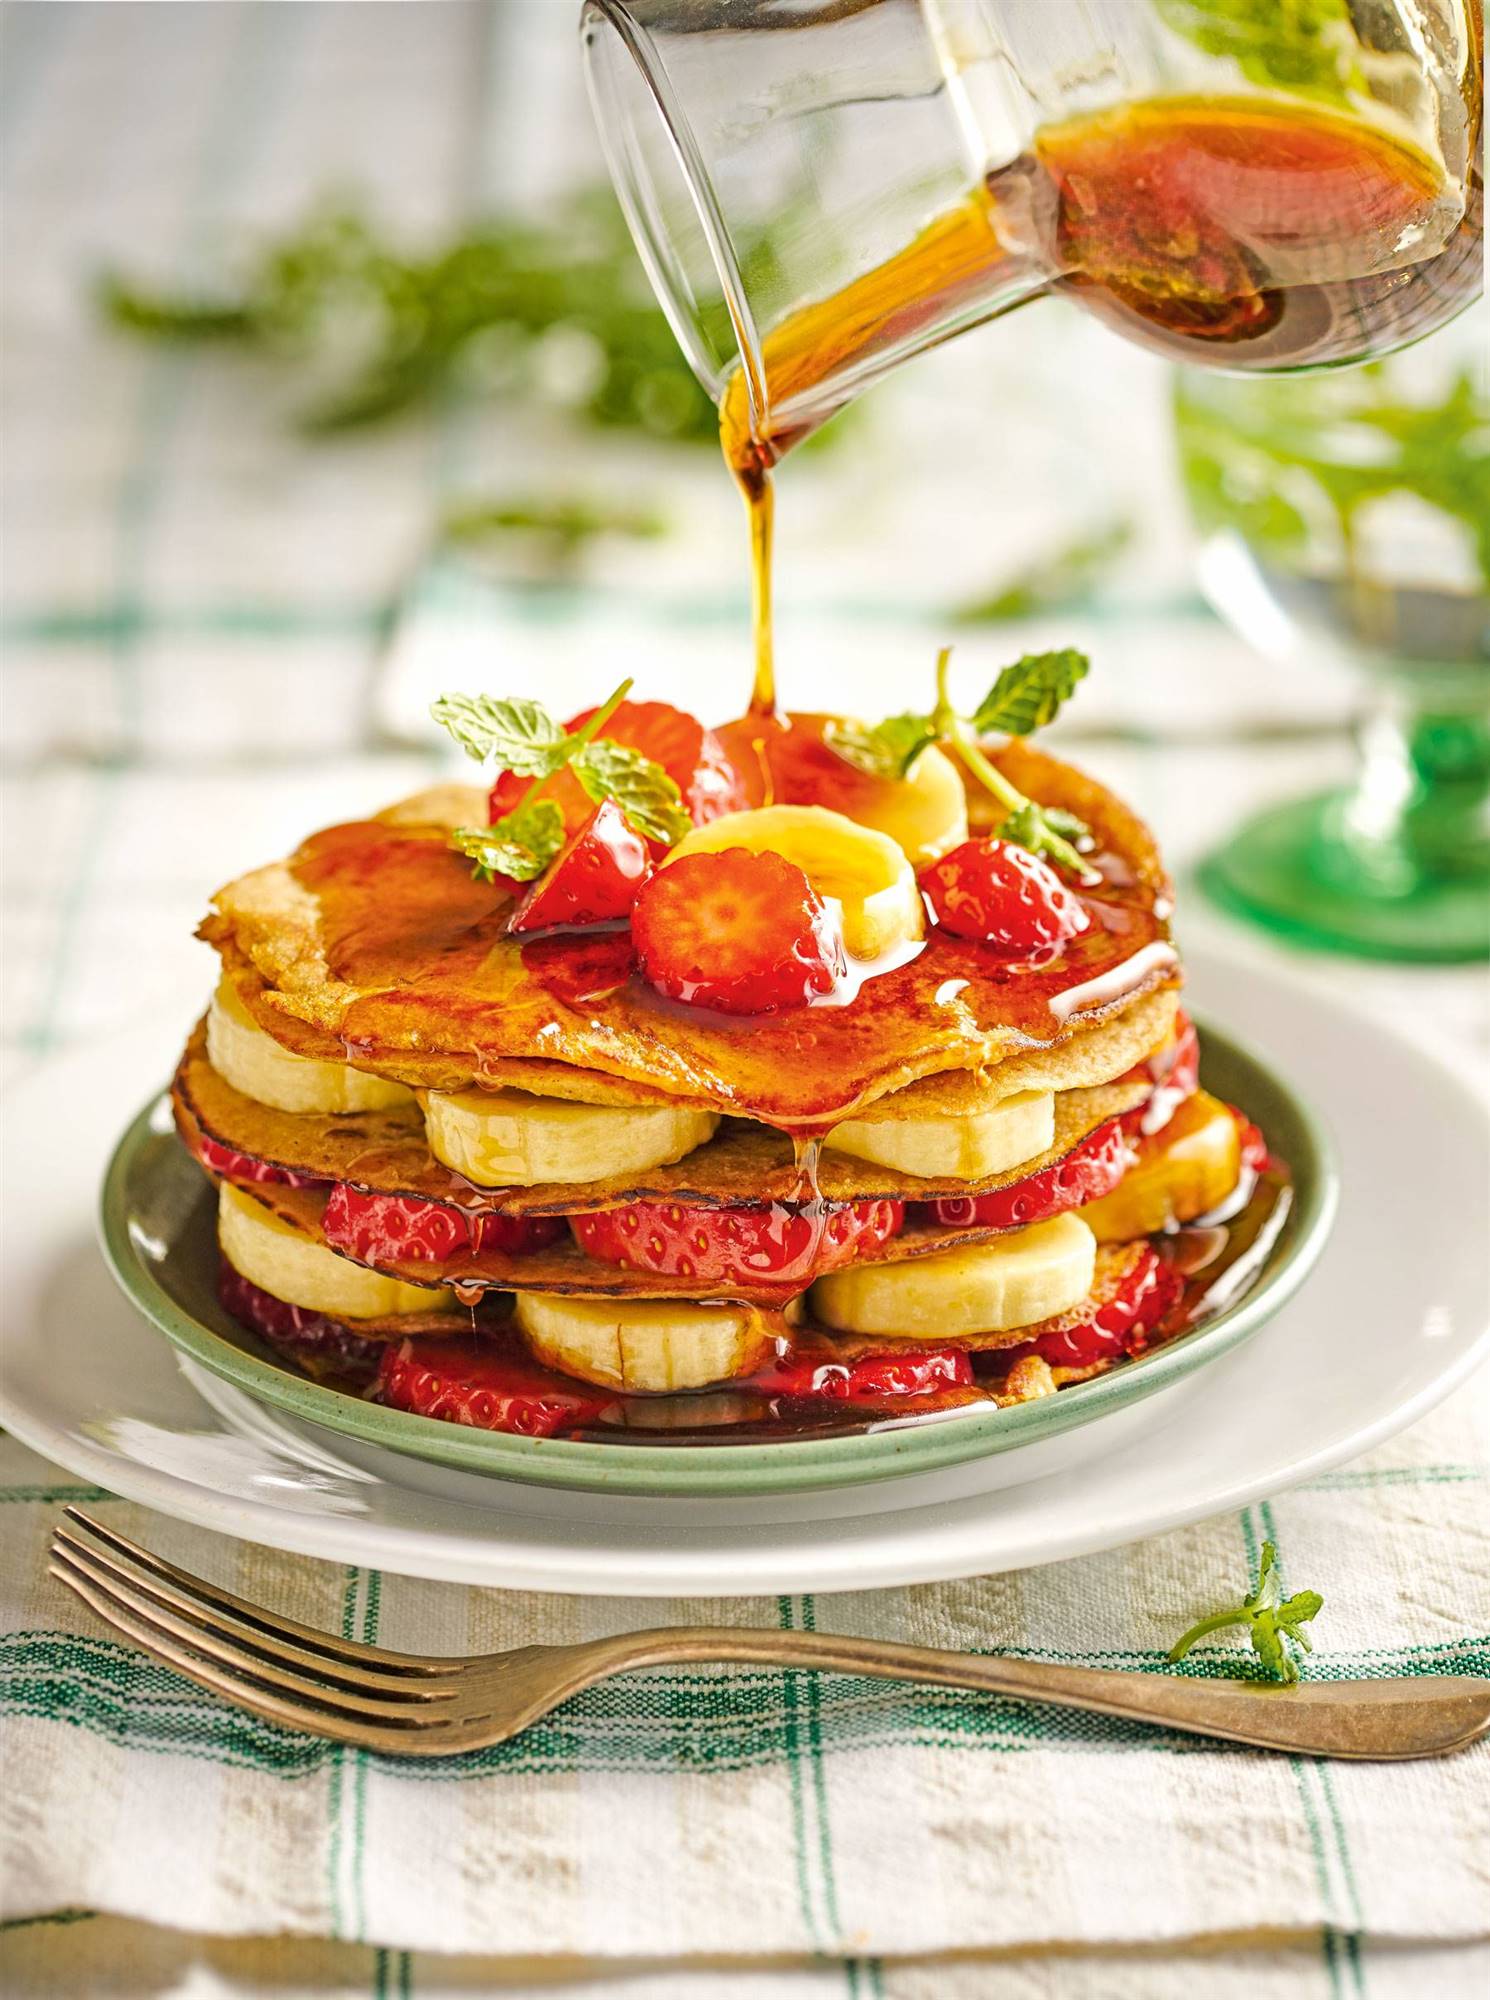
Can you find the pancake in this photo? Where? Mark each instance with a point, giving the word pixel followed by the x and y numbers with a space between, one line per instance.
pixel 1090 1055
pixel 375 934
pixel 745 1164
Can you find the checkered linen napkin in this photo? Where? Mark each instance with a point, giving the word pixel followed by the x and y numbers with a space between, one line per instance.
pixel 769 1819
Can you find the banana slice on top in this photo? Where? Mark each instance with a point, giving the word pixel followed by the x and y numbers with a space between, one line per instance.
pixel 966 1146
pixel 1028 1275
pixel 641 1344
pixel 254 1063
pixel 510 1138
pixel 295 1268
pixel 864 872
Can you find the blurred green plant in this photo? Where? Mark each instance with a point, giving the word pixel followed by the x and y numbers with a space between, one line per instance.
pixel 1067 575
pixel 558 308
pixel 558 529
pixel 1244 455
pixel 1300 45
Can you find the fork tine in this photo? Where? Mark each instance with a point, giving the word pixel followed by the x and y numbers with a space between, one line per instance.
pixel 331 1702
pixel 259 1639
pixel 420 1741
pixel 271 1625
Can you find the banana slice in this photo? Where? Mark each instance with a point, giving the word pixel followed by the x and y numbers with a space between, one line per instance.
pixel 1185 1170
pixel 1026 1276
pixel 925 813
pixel 280 1260
pixel 965 1147
pixel 863 871
pixel 642 1344
pixel 509 1138
pixel 254 1063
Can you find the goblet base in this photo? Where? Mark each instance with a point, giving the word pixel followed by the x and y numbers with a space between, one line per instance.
pixel 1292 870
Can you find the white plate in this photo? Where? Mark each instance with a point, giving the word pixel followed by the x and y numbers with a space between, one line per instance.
pixel 1392 1318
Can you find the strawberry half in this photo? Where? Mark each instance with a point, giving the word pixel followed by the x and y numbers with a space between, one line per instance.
pixel 744 933
pixel 789 1246
pixel 874 1378
pixel 235 1166
pixel 592 880
pixel 1123 1310
pixel 406 1229
pixel 1003 896
pixel 692 756
pixel 320 1345
pixel 487 1386
pixel 1091 1169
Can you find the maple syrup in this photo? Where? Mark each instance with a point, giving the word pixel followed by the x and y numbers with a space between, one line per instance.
pixel 400 920
pixel 1250 233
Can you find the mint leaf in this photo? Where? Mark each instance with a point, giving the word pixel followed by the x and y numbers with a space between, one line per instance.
pixel 1030 693
pixel 1269 1622
pixel 1045 830
pixel 518 735
pixel 887 750
pixel 520 845
pixel 642 789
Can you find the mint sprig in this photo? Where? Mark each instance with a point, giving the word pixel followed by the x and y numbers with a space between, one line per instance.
pixel 1024 697
pixel 1272 1621
pixel 519 735
pixel 519 845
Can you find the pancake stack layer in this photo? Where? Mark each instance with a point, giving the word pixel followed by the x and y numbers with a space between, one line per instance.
pixel 500 1178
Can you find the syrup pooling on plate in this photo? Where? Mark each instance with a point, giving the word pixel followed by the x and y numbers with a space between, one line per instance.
pixel 425 947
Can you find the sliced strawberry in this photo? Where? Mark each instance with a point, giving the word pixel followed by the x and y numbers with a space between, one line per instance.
pixel 323 1346
pixel 1125 1306
pixel 406 1229
pixel 235 1166
pixel 593 879
pixel 746 933
pixel 486 1385
pixel 874 1378
pixel 1091 1169
pixel 693 757
pixel 1174 1071
pixel 1176 1066
pixel 789 1246
pixel 1003 896
pixel 1255 1151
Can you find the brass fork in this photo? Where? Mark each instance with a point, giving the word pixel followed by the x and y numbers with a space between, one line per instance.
pixel 420 1707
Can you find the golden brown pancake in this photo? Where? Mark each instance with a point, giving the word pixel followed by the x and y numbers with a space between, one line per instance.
pixel 385 1152
pixel 375 934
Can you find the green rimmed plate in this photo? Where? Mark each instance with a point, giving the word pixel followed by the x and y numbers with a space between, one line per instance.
pixel 158 1234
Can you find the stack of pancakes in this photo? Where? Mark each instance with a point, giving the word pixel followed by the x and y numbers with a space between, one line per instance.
pixel 440 1148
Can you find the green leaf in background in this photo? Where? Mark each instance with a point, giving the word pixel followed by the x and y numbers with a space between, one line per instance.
pixel 1256 455
pixel 1030 693
pixel 560 527
pixel 1054 581
pixel 520 845
pixel 520 735
pixel 642 789
pixel 381 328
pixel 1299 45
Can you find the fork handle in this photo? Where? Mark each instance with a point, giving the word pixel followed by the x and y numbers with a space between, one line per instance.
pixel 1388 1719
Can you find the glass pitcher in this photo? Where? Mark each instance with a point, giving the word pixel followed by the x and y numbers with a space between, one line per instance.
pixel 822 188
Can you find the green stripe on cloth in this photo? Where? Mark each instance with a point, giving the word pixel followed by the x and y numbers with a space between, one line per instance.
pixel 641 1723
pixel 52 1495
